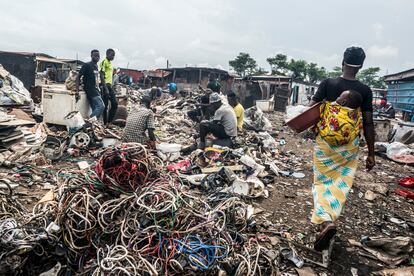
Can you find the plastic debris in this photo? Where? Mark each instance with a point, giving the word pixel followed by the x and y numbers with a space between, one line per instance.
pixel 291 255
pixel 391 251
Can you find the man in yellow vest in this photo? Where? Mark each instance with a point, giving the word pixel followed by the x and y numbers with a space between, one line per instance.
pixel 238 109
pixel 108 94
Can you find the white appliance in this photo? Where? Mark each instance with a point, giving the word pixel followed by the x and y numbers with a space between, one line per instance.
pixel 57 102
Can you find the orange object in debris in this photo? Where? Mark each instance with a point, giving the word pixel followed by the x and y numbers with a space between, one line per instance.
pixel 306 119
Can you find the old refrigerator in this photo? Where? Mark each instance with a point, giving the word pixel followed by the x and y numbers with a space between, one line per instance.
pixel 57 102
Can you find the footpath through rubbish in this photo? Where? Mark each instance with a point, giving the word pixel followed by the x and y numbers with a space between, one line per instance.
pixel 82 202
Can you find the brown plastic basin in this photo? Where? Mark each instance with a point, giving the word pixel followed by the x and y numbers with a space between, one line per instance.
pixel 306 119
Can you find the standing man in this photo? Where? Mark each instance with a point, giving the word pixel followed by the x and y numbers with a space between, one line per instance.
pixel 89 74
pixel 223 125
pixel 106 82
pixel 213 84
pixel 335 165
pixel 140 121
pixel 238 109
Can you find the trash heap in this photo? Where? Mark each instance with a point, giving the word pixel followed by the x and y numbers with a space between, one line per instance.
pixel 129 216
pixel 12 90
pixel 19 137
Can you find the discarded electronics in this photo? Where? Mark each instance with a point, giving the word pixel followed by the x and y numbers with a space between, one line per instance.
pixel 57 102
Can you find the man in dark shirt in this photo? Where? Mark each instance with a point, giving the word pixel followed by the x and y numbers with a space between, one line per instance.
pixel 89 74
pixel 332 182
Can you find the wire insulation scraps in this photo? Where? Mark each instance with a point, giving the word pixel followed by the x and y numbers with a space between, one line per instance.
pixel 126 168
pixel 129 217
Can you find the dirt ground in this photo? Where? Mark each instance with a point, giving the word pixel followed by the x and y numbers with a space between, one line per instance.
pixel 291 203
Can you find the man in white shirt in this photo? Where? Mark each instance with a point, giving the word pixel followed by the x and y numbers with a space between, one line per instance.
pixel 223 125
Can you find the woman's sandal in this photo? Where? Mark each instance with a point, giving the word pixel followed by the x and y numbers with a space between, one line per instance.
pixel 324 237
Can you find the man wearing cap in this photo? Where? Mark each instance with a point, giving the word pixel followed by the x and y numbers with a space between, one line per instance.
pixel 335 165
pixel 140 121
pixel 223 125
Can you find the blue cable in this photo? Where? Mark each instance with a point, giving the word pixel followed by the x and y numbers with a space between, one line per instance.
pixel 199 254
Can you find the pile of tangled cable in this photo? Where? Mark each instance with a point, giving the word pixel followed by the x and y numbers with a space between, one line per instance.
pixel 128 217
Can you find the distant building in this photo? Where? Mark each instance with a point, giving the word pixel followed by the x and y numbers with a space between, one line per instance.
pixel 73 64
pixel 192 77
pixel 253 88
pixel 302 92
pixel 401 91
pixel 25 66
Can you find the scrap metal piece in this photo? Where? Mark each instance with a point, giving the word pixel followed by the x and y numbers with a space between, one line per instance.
pixel 80 140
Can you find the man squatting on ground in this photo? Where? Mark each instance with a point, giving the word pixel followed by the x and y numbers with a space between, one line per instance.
pixel 140 121
pixel 223 125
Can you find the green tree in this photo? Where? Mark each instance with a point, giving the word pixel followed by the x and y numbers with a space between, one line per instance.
pixel 298 69
pixel 337 72
pixel 278 64
pixel 243 64
pixel 315 73
pixel 370 77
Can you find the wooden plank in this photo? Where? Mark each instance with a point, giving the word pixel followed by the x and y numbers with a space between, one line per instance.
pixel 216 169
pixel 17 122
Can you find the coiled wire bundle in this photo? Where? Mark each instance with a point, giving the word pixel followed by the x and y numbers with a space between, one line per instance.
pixel 129 217
pixel 125 168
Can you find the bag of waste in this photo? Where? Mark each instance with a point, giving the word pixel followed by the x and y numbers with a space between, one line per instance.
pixel 397 149
pixel 13 91
pixel 74 121
pixel 255 119
pixel 70 82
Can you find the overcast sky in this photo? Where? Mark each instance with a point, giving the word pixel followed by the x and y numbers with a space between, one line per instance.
pixel 145 33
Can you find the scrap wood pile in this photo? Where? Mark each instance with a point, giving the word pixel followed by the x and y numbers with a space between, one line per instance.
pixel 128 216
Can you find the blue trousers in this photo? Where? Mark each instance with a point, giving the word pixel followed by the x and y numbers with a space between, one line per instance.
pixel 97 106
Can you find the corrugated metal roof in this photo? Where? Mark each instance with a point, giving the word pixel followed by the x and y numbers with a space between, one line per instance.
pixel 27 54
pixel 51 60
pixel 267 78
pixel 216 70
pixel 407 74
